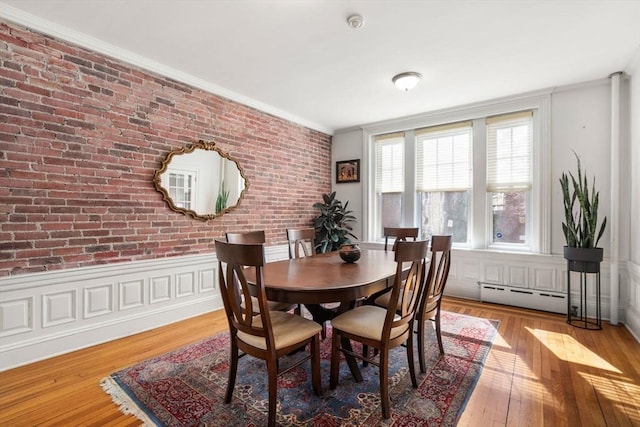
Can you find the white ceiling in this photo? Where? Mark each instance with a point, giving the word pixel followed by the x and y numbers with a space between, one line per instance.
pixel 300 60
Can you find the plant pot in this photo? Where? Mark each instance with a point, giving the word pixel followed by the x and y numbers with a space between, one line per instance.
pixel 583 260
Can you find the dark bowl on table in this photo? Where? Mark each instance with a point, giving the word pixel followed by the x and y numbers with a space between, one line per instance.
pixel 349 253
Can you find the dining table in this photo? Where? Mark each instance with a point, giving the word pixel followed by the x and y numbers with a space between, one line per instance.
pixel 326 278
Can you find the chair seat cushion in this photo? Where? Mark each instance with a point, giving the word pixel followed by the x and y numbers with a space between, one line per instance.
pixel 383 300
pixel 366 321
pixel 287 328
pixel 273 305
pixel 276 306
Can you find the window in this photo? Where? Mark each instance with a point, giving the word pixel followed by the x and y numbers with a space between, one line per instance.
pixel 476 172
pixel 390 179
pixel 443 179
pixel 180 188
pixel 509 175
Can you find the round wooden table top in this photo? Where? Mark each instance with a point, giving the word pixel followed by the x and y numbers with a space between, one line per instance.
pixel 325 278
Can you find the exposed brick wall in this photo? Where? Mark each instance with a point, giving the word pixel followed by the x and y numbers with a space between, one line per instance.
pixel 81 135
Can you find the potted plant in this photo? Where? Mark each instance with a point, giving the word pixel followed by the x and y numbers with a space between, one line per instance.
pixel 580 227
pixel 333 224
pixel 222 199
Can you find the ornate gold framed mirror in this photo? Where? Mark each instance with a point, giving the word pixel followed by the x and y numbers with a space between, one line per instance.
pixel 201 180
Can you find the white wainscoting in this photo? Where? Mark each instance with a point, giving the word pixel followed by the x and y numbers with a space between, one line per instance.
pixel 470 269
pixel 544 273
pixel 47 314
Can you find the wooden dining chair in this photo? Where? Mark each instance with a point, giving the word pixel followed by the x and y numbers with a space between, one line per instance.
pixel 258 236
pixel 300 242
pixel 384 328
pixel 431 299
pixel 401 234
pixel 268 335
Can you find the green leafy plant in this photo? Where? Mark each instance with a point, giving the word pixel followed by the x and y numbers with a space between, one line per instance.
pixel 222 199
pixel 333 224
pixel 581 219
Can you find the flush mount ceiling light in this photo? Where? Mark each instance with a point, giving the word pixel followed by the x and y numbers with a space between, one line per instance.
pixel 406 81
pixel 355 21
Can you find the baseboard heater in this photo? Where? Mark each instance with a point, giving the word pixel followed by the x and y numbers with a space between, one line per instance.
pixel 555 302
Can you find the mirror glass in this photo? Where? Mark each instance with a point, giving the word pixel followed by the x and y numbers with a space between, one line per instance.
pixel 201 181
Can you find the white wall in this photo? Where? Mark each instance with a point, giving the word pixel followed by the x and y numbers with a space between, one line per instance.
pixel 631 290
pixel 351 147
pixel 580 122
pixel 634 133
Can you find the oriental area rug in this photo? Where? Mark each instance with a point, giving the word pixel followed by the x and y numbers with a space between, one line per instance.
pixel 186 387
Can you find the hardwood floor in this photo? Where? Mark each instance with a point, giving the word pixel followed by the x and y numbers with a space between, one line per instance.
pixel 540 372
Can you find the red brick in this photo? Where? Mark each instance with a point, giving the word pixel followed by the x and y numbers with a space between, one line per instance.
pixel 88 142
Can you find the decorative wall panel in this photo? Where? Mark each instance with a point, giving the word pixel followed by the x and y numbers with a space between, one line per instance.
pixel 545 278
pixel 15 316
pixel 98 301
pixel 470 271
pixel 493 273
pixel 207 280
pixel 58 308
pixel 185 285
pixel 160 289
pixel 131 294
pixel 518 275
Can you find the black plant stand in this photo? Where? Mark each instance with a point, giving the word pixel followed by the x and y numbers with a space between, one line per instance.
pixel 585 264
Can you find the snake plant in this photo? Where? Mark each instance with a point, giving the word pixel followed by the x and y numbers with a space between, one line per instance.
pixel 222 199
pixel 581 220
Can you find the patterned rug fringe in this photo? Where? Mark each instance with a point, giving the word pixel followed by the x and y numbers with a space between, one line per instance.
pixel 124 402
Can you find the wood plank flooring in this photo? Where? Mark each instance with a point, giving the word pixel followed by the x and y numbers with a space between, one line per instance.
pixel 540 372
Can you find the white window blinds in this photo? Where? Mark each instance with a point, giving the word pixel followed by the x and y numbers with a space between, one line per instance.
pixel 443 157
pixel 390 163
pixel 509 152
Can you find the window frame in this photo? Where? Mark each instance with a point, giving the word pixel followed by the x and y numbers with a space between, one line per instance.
pixel 529 230
pixel 539 219
pixel 378 140
pixel 453 179
pixel 188 192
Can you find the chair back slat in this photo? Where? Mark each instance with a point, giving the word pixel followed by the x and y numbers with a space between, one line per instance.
pixel 257 236
pixel 300 242
pixel 233 261
pixel 401 234
pixel 438 273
